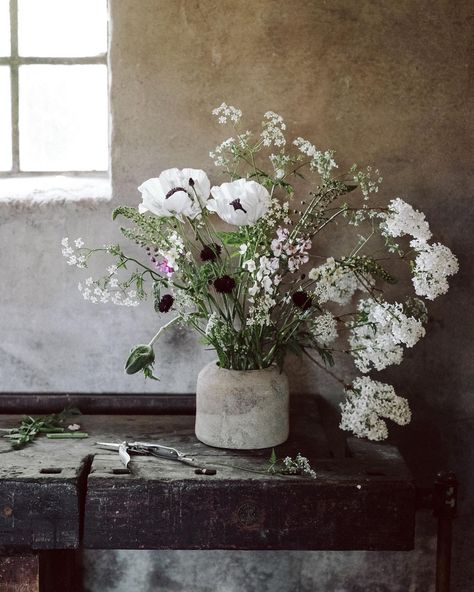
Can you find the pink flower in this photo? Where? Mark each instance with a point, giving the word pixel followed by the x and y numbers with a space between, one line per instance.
pixel 164 267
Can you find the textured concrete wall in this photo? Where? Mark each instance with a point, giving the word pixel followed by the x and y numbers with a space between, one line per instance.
pixel 381 82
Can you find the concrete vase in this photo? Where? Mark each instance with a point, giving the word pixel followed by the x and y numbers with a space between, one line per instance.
pixel 242 409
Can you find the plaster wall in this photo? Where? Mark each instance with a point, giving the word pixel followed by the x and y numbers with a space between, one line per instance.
pixel 381 82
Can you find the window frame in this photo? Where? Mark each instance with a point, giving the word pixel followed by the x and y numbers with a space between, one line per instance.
pixel 14 61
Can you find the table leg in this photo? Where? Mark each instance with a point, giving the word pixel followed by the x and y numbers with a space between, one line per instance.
pixel 19 573
pixel 444 508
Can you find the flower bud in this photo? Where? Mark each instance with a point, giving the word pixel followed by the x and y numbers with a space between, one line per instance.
pixel 141 357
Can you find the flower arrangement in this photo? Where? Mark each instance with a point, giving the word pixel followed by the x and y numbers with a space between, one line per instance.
pixel 238 262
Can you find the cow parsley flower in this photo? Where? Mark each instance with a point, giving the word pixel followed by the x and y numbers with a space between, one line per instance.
pixel 74 257
pixel 273 128
pixel 227 112
pixel 323 162
pixel 335 283
pixel 379 332
pixel 402 219
pixel 368 404
pixel 298 466
pixel 433 265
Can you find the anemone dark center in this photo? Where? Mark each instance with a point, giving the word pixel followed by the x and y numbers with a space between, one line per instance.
pixel 175 190
pixel 237 205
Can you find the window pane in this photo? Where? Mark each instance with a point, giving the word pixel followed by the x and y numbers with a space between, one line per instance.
pixel 5 120
pixel 62 28
pixel 4 28
pixel 63 118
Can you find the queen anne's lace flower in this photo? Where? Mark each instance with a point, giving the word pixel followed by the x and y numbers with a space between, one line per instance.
pixel 433 265
pixel 368 403
pixel 402 219
pixel 378 334
pixel 240 202
pixel 175 193
pixel 335 283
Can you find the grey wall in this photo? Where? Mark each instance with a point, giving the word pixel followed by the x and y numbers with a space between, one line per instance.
pixel 381 82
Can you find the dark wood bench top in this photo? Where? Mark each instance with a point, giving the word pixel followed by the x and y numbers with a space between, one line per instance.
pixel 363 497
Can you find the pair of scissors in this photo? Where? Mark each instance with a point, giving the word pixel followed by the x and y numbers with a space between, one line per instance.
pixel 159 450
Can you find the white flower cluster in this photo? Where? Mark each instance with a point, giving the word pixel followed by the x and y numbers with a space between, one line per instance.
pixel 279 163
pixel 294 251
pixel 324 329
pixel 219 154
pixel 335 283
pixel 278 212
pixel 368 403
pixel 92 292
pixel 273 128
pixel 174 250
pixel 323 162
pixel 73 256
pixel 298 466
pixel 226 112
pixel 433 265
pixel 365 181
pixel 402 219
pixel 263 290
pixel 377 336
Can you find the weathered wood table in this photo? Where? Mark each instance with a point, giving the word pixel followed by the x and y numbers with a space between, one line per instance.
pixel 58 495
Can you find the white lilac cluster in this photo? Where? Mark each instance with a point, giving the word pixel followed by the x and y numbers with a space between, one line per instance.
pixel 324 329
pixel 323 162
pixel 402 219
pixel 368 404
pixel 295 251
pixel 273 128
pixel 298 466
pixel 433 265
pixel 73 255
pixel 92 292
pixel 226 112
pixel 378 334
pixel 262 292
pixel 335 282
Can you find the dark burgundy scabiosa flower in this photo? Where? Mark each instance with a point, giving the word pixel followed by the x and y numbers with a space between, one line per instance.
pixel 224 284
pixel 165 303
pixel 301 299
pixel 210 252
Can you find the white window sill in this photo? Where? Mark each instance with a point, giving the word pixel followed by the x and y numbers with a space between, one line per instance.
pixel 57 189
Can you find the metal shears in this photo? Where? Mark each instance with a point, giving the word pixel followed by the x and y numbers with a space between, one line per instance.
pixel 126 448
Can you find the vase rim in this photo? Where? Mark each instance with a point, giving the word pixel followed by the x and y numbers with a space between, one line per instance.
pixel 268 368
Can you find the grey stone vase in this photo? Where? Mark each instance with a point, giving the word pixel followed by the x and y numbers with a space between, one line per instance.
pixel 242 409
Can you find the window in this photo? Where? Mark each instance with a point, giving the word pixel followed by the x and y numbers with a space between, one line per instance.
pixel 53 87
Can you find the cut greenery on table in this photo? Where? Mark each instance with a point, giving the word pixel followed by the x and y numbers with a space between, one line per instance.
pixel 55 426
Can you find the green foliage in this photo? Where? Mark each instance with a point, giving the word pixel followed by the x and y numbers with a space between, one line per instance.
pixel 365 264
pixel 32 427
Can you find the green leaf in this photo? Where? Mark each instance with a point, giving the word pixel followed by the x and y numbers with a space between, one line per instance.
pixel 273 457
pixel 230 238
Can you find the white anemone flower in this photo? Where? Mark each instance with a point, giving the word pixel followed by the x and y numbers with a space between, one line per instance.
pixel 175 193
pixel 240 203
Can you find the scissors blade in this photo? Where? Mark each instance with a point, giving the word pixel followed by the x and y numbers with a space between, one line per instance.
pixel 124 456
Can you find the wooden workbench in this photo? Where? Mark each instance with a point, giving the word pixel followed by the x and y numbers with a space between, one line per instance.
pixel 68 494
